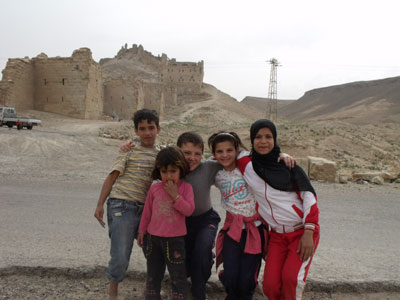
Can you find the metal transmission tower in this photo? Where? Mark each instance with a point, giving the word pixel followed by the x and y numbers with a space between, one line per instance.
pixel 272 109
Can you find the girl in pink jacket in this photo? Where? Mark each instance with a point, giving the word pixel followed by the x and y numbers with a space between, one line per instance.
pixel 162 226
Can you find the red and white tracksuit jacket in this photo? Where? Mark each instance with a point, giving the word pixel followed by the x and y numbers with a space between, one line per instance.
pixel 287 213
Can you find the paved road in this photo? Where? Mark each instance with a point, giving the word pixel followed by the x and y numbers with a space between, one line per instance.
pixel 52 225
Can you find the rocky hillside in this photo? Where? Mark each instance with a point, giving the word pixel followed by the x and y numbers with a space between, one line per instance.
pixel 363 102
pixel 260 103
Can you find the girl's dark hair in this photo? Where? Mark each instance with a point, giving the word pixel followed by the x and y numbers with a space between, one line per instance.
pixel 223 136
pixel 170 156
pixel 190 137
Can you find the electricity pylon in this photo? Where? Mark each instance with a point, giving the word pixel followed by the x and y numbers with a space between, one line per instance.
pixel 272 109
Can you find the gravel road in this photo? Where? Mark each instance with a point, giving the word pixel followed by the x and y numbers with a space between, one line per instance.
pixel 50 232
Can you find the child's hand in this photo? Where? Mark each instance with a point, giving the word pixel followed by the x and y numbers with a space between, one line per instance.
pixel 126 146
pixel 172 189
pixel 98 214
pixel 306 245
pixel 289 161
pixel 140 240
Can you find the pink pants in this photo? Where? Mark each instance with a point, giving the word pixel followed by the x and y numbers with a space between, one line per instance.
pixel 285 274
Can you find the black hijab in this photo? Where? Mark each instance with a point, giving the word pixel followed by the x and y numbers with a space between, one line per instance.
pixel 277 174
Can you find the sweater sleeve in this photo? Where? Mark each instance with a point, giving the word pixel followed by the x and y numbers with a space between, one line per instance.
pixel 185 203
pixel 146 215
pixel 310 208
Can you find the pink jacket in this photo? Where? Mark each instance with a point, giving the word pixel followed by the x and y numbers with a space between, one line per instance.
pixel 233 227
pixel 161 217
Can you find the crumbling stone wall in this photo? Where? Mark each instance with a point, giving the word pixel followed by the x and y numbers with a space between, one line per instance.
pixel 186 76
pixel 121 97
pixel 69 86
pixel 16 87
pixel 77 86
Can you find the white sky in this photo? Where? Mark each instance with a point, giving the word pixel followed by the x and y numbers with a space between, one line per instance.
pixel 318 42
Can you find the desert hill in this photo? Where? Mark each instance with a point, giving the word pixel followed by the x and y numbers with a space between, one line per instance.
pixel 262 103
pixel 362 102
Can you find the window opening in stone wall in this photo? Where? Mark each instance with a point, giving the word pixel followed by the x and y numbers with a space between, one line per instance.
pixel 63 81
pixel 45 81
pixel 62 98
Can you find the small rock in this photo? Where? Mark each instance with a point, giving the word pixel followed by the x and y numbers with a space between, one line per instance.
pixel 377 180
pixel 362 182
pixel 343 179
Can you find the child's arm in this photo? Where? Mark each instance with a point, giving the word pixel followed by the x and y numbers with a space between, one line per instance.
pixel 146 217
pixel 306 245
pixel 105 191
pixel 289 161
pixel 310 220
pixel 140 239
pixel 126 146
pixel 184 202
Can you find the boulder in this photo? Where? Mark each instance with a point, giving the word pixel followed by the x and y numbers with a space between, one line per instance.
pixel 386 176
pixel 377 180
pixel 321 169
pixel 343 179
pixel 303 163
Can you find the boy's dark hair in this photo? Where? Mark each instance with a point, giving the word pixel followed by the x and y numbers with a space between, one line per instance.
pixel 145 114
pixel 170 156
pixel 190 137
pixel 223 136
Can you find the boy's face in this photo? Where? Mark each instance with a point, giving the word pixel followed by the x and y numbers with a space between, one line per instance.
pixel 147 132
pixel 193 154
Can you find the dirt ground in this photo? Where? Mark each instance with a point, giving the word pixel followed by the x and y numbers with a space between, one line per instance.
pixel 49 287
pixel 70 150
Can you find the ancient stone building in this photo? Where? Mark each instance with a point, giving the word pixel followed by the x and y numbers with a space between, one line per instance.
pixel 77 86
pixel 70 86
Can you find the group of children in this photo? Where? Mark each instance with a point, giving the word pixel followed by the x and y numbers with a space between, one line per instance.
pixel 271 213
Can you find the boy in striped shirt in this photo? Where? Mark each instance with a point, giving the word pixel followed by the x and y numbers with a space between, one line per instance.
pixel 126 187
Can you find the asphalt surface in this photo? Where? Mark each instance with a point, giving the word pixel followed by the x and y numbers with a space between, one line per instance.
pixel 51 225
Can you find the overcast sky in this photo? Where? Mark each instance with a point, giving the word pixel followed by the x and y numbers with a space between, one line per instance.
pixel 318 43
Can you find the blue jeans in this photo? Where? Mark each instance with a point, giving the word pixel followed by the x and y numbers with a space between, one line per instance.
pixel 199 243
pixel 123 223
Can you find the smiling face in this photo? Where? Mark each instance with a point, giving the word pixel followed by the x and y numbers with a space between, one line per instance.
pixel 147 132
pixel 193 154
pixel 170 173
pixel 263 141
pixel 225 153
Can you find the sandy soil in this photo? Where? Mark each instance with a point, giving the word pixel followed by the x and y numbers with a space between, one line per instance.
pixel 70 150
pixel 50 285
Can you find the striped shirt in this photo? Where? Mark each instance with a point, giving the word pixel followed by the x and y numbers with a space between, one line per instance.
pixel 135 169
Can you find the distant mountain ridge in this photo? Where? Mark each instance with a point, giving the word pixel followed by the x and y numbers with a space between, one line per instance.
pixel 261 103
pixel 360 102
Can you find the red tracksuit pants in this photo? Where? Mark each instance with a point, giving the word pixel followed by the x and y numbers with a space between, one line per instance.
pixel 285 274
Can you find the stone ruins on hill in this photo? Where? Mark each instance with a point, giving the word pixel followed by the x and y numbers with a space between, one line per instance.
pixel 79 87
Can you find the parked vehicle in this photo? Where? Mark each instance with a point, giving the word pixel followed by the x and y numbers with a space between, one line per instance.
pixel 8 117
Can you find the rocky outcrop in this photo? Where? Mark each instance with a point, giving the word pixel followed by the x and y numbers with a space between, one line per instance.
pixel 368 176
pixel 321 169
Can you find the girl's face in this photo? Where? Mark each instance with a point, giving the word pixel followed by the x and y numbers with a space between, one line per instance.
pixel 170 173
pixel 225 153
pixel 264 141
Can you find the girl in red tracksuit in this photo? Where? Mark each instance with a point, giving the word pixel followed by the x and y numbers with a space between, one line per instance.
pixel 288 203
